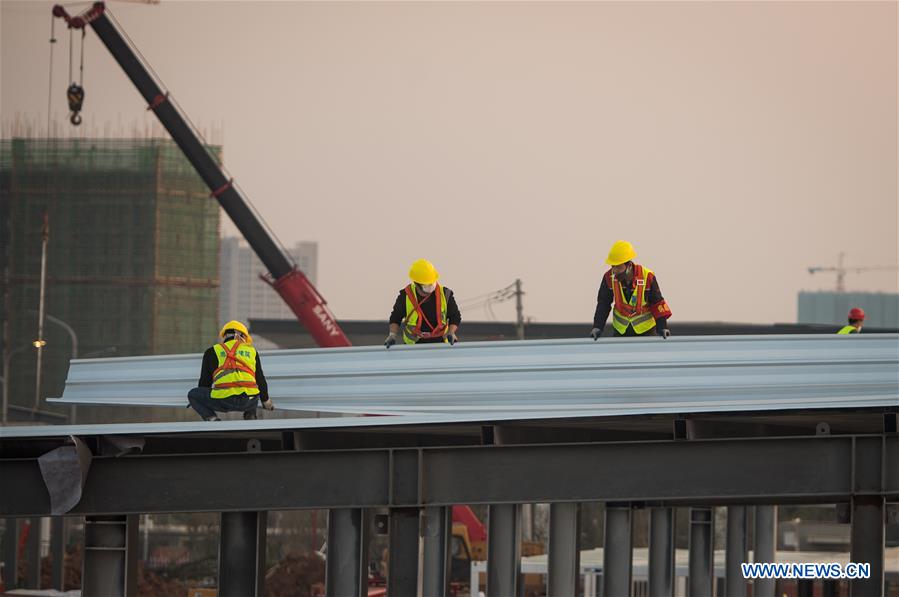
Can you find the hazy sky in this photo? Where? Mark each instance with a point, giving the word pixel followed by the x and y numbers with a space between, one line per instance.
pixel 735 144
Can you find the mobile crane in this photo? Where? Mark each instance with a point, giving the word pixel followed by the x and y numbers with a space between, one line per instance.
pixel 292 284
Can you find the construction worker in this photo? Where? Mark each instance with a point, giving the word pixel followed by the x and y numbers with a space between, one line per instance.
pixel 632 293
pixel 856 319
pixel 426 310
pixel 231 377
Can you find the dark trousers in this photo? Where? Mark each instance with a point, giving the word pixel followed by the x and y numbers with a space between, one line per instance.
pixel 206 406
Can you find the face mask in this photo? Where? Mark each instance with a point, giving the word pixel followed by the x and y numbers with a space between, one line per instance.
pixel 428 288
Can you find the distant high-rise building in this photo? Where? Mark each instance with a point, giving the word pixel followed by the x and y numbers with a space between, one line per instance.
pixel 132 262
pixel 243 295
pixel 881 308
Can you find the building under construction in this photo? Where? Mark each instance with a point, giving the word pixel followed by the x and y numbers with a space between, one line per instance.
pixel 132 261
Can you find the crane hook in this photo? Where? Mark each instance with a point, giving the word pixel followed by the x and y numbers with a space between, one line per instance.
pixel 75 94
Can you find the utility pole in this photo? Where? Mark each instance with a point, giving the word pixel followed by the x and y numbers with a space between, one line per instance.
pixel 40 342
pixel 7 343
pixel 519 308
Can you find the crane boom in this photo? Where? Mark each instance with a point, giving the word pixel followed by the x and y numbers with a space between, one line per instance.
pixel 291 283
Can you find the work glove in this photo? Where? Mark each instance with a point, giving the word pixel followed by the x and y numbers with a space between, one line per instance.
pixel 664 333
pixel 595 333
pixel 268 404
pixel 451 338
pixel 390 341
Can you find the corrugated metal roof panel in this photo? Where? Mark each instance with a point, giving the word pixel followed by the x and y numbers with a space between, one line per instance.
pixel 614 376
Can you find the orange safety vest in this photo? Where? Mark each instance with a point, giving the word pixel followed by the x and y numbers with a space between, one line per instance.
pixel 412 331
pixel 236 373
pixel 635 312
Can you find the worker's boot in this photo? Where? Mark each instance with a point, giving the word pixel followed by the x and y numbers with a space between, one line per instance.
pixel 250 415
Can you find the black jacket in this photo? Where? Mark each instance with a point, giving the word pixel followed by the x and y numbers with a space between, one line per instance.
pixel 429 308
pixel 605 299
pixel 211 363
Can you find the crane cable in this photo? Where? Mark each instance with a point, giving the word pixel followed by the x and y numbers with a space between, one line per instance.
pixel 50 85
pixel 75 92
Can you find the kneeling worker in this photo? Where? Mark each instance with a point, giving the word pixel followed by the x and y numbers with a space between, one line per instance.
pixel 231 377
pixel 632 293
pixel 426 310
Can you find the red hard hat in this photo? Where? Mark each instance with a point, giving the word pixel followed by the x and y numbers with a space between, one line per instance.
pixel 856 313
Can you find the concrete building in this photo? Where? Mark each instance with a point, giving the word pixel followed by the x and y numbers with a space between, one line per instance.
pixel 132 256
pixel 831 308
pixel 243 294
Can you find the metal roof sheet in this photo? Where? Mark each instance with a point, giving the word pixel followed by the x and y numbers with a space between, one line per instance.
pixel 537 378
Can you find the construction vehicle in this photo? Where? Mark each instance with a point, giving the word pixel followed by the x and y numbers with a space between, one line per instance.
pixel 469 544
pixel 289 282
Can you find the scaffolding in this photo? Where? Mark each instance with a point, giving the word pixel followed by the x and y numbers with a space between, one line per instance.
pixel 133 254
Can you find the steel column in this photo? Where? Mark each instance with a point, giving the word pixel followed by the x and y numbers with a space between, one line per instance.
pixel 867 543
pixel 57 552
pixel 402 566
pixel 563 571
pixel 503 549
pixel 436 562
pixel 242 554
pixel 701 567
pixel 33 555
pixel 737 551
pixel 110 556
pixel 661 552
pixel 10 553
pixel 617 559
pixel 765 538
pixel 346 572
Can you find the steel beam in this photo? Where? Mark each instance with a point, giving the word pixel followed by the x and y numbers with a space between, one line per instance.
pixel 701 566
pixel 784 470
pixel 110 556
pixel 402 566
pixel 346 573
pixel 436 561
pixel 867 543
pixel 737 551
pixel 617 560
pixel 765 537
pixel 661 552
pixel 563 569
pixel 242 554
pixel 57 552
pixel 503 549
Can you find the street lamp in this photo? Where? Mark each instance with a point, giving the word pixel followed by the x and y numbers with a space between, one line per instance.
pixel 6 360
pixel 72 335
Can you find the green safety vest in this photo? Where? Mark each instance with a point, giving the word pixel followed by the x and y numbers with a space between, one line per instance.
pixel 634 312
pixel 412 331
pixel 236 371
pixel 848 329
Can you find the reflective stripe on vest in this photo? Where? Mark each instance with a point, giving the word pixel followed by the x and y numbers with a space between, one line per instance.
pixel 236 371
pixel 415 317
pixel 848 329
pixel 632 313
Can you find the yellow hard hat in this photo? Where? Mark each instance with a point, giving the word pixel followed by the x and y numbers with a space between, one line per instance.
pixel 423 272
pixel 235 325
pixel 621 252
